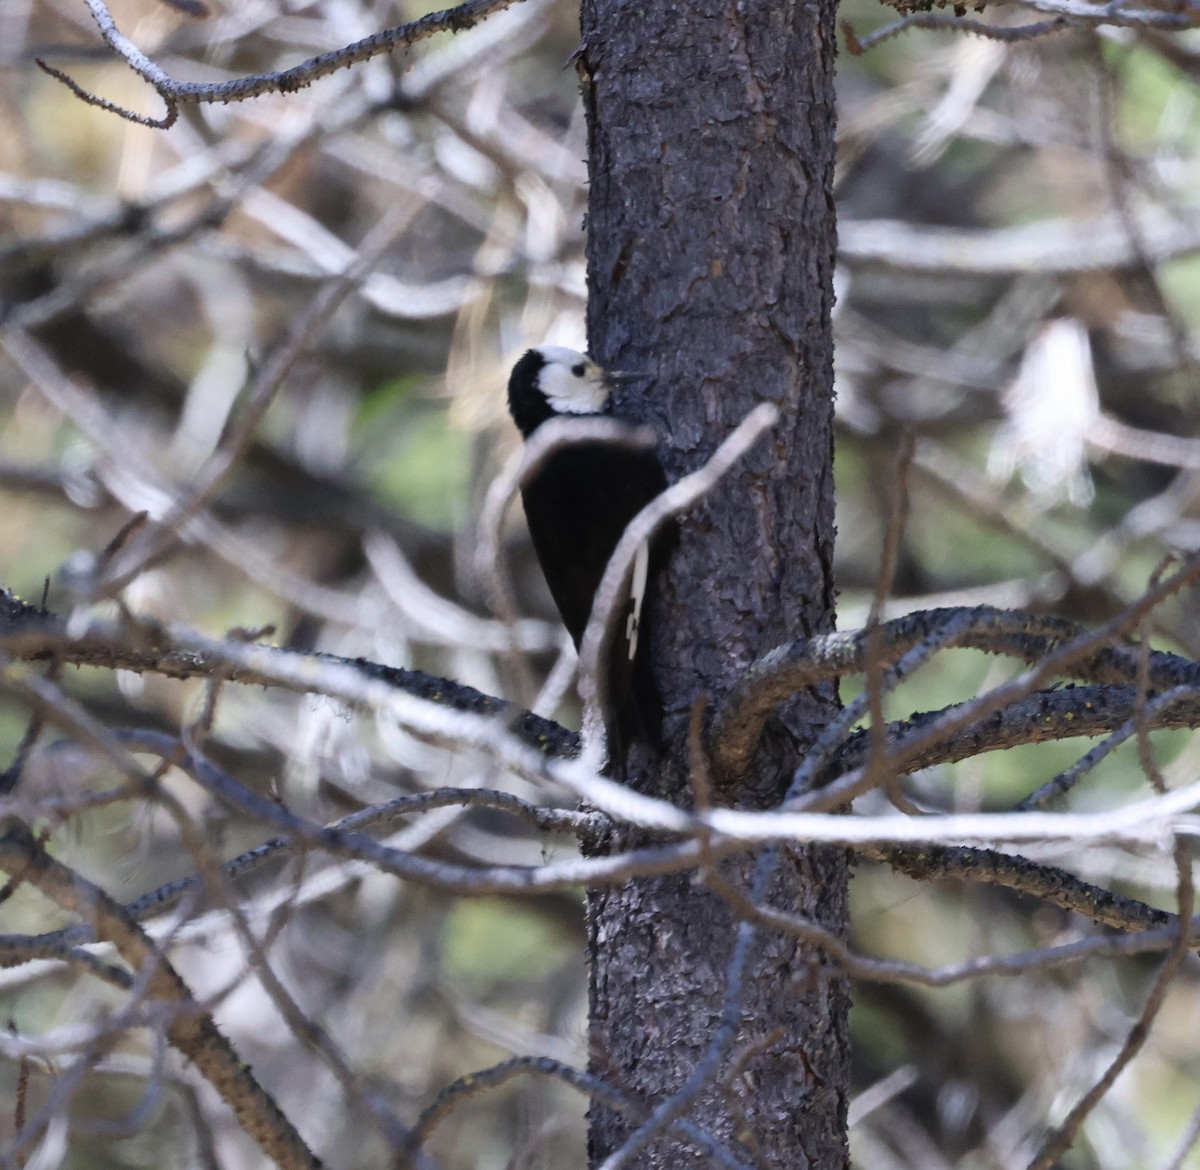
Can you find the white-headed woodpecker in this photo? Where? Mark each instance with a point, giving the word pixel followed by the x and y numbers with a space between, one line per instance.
pixel 578 504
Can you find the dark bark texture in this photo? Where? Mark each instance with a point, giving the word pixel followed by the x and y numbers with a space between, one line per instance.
pixel 710 245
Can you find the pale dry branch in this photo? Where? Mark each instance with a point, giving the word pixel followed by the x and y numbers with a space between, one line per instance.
pixel 427 718
pixel 29 635
pixel 128 473
pixel 614 588
pixel 1113 437
pixel 554 435
pixel 268 382
pixel 1039 717
pixel 175 93
pixel 1143 821
pixel 879 1094
pixel 1060 1140
pixel 546 820
pixel 1061 247
pixel 441 621
pixel 1146 820
pixel 189 1028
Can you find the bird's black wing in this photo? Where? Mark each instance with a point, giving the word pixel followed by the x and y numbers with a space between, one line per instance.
pixel 578 506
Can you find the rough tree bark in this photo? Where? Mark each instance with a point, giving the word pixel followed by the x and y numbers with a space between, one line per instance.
pixel 710 247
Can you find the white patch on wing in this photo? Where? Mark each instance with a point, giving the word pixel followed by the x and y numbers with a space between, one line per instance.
pixel 566 391
pixel 637 594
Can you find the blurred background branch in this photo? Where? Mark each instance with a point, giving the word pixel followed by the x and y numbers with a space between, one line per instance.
pixel 1018 289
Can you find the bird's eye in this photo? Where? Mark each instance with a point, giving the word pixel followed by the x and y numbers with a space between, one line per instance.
pixel 579 369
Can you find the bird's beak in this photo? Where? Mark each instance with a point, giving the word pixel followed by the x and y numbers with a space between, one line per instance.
pixel 625 375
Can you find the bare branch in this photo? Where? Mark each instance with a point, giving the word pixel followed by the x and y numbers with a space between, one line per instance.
pixel 174 93
pixel 871 970
pixel 1043 716
pixel 191 1030
pixel 614 585
pixel 29 635
pixel 1009 34
pixel 270 379
pixel 1050 645
pixel 1054 886
pixel 553 436
pixel 1060 1140
pixel 482 1080
pixel 1050 247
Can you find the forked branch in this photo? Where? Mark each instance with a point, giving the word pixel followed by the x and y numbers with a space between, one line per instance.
pixel 175 93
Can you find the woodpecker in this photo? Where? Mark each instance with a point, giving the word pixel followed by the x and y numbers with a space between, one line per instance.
pixel 578 505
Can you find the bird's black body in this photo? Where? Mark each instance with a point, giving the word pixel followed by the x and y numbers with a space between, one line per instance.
pixel 578 505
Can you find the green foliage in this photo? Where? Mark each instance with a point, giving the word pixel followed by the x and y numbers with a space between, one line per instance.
pixel 488 942
pixel 425 470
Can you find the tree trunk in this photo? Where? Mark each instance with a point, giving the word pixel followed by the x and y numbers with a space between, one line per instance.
pixel 710 248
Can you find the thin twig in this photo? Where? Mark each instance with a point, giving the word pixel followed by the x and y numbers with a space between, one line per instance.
pixel 893 537
pixel 1059 1141
pixel 454 1094
pixel 613 588
pixel 174 93
pixel 189 1029
pixel 305 328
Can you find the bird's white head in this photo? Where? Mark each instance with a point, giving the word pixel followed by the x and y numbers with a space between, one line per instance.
pixel 570 381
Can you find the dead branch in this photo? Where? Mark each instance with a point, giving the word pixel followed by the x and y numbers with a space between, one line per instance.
pixel 175 93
